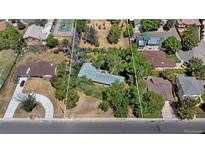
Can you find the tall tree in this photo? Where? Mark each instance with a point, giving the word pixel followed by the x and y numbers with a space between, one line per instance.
pixel 129 31
pixel 51 41
pixel 114 34
pixel 190 38
pixel 186 108
pixel 150 24
pixel 196 68
pixel 172 45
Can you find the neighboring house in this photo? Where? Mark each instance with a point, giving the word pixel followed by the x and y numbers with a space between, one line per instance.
pixel 149 42
pixel 3 25
pixel 98 75
pixel 35 34
pixel 160 86
pixel 183 24
pixel 189 87
pixel 63 28
pixel 41 69
pixel 136 23
pixel 159 60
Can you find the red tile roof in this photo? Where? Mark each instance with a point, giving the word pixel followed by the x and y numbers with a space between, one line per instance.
pixel 158 59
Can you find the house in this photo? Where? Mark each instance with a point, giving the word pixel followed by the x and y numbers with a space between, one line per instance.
pixel 149 42
pixel 41 69
pixel 63 28
pixel 98 75
pixel 35 34
pixel 159 59
pixel 183 24
pixel 189 87
pixel 160 86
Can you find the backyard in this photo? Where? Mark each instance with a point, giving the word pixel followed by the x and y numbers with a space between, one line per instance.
pixel 102 27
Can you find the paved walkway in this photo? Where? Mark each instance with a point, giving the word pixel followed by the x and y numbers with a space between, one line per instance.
pixel 19 95
pixel 167 111
pixel 198 52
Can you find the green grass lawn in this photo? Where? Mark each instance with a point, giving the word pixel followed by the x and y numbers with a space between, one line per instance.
pixel 174 57
pixel 153 115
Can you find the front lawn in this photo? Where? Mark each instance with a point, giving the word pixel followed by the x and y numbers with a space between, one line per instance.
pixel 174 57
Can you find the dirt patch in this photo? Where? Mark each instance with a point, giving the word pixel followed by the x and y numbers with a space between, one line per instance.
pixel 102 34
pixel 7 58
pixel 37 112
pixel 88 107
pixel 43 86
pixel 30 57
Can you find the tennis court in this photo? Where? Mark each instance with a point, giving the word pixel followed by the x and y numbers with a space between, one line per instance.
pixel 65 25
pixel 63 28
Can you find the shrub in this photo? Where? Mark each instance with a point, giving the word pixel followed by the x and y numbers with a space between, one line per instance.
pixel 29 104
pixel 104 106
pixel 56 52
pixel 129 31
pixel 114 34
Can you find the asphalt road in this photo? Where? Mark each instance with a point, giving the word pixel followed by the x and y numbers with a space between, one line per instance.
pixel 101 127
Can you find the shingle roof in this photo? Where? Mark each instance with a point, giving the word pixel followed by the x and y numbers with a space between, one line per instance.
pixel 161 87
pixel 158 59
pixel 189 21
pixel 35 32
pixel 190 85
pixel 98 75
pixel 154 40
pixel 39 69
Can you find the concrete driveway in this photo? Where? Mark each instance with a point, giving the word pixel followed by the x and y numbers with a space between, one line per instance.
pixel 167 111
pixel 19 95
pixel 198 52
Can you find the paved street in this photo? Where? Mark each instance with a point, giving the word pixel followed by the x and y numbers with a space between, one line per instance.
pixel 101 127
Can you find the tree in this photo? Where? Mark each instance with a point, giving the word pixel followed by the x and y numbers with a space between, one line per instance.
pixel 169 24
pixel 10 38
pixel 150 24
pixel 71 99
pixel 152 104
pixel 169 75
pixel 41 22
pixel 114 34
pixel 65 42
pixel 190 38
pixel 29 104
pixel 51 41
pixel 116 96
pixel 196 68
pixel 172 45
pixel 129 31
pixel 90 36
pixel 186 108
pixel 81 26
pixel 104 106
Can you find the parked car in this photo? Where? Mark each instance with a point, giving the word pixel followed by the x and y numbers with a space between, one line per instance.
pixel 22 83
